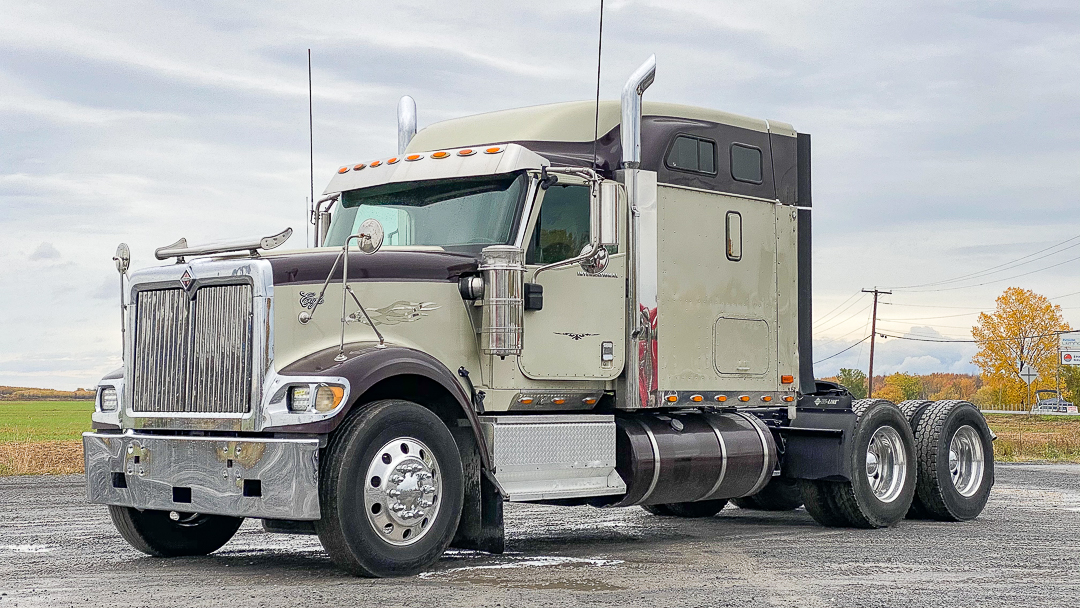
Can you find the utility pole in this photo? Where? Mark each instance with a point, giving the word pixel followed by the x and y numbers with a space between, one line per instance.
pixel 873 337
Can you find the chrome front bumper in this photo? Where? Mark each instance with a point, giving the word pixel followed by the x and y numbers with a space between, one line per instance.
pixel 264 478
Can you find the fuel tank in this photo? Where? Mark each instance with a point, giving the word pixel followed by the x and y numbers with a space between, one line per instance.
pixel 668 457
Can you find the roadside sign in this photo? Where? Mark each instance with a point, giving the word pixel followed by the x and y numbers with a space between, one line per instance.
pixel 1069 347
pixel 1028 374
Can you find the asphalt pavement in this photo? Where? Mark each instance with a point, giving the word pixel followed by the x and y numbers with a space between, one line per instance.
pixel 56 550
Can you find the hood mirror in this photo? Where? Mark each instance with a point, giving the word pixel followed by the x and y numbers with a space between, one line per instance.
pixel 369 237
pixel 122 258
pixel 605 213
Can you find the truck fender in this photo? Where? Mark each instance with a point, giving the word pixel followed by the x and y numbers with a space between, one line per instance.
pixel 368 365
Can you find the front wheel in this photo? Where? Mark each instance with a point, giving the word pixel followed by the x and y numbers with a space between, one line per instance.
pixel 391 490
pixel 883 471
pixel 172 533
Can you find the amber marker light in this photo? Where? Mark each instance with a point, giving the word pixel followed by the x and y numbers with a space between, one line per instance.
pixel 375 163
pixel 697 398
pixel 343 170
pixel 744 397
pixel 766 398
pixel 721 398
pixel 493 150
pixel 440 154
pixel 392 160
pixel 672 398
pixel 787 379
pixel 525 400
pixel 466 152
pixel 589 401
pixel 358 167
pixel 413 157
pixel 558 401
pixel 789 398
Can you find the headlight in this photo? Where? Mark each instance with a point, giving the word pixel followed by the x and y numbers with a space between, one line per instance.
pixel 320 398
pixel 107 399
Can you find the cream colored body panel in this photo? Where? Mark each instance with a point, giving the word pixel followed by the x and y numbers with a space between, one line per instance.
pixel 425 315
pixel 787 294
pixel 581 311
pixel 717 318
pixel 570 121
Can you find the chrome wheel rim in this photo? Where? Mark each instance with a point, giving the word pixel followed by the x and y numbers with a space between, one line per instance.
pixel 886 464
pixel 402 491
pixel 967 464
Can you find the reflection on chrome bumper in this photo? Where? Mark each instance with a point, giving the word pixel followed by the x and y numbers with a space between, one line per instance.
pixel 268 478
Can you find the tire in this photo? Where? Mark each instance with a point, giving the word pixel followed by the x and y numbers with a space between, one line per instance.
pixel 693 510
pixel 948 433
pixel 883 430
pixel 780 494
pixel 172 533
pixel 913 411
pixel 386 446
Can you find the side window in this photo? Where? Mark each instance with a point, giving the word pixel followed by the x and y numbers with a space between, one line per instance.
pixel 693 154
pixel 562 228
pixel 734 236
pixel 746 163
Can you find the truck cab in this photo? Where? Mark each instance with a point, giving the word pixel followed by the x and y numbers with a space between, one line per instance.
pixel 579 303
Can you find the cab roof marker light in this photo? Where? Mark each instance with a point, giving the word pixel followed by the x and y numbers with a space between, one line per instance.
pixel 359 167
pixel 440 154
pixel 375 163
pixel 392 160
pixel 343 170
pixel 493 150
pixel 413 157
pixel 466 152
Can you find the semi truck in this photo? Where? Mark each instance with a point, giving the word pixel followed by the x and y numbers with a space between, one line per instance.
pixel 586 303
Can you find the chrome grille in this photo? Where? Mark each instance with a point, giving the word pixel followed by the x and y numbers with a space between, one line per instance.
pixel 193 355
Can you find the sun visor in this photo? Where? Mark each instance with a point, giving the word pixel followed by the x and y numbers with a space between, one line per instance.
pixel 438 164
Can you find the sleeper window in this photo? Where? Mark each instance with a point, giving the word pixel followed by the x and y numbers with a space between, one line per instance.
pixel 562 229
pixel 692 154
pixel 746 163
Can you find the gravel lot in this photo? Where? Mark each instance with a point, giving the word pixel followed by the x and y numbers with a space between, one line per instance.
pixel 55 550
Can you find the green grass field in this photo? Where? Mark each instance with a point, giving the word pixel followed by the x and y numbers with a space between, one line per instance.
pixel 44 420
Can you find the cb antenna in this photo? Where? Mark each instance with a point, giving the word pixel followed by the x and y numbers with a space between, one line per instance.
pixel 599 54
pixel 311 156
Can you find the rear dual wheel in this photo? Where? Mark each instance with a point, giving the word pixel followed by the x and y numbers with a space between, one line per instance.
pixel 883 472
pixel 956 460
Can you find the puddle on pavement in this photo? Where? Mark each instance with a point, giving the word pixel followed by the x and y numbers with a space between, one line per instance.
pixel 543 572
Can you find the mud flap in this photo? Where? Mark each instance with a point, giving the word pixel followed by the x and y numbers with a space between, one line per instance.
pixel 481 525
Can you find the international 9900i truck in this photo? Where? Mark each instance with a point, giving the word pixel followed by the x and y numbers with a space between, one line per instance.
pixel 603 304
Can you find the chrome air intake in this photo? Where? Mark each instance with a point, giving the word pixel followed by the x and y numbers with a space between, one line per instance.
pixel 668 458
pixel 503 269
pixel 192 349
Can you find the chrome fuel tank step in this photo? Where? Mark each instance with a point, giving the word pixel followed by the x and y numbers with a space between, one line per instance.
pixel 553 457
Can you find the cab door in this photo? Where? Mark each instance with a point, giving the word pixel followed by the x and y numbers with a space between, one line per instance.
pixel 579 332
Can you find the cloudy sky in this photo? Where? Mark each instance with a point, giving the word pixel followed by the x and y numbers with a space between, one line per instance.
pixel 946 138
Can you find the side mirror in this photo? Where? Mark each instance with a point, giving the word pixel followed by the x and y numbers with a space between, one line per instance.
pixel 369 237
pixel 122 258
pixel 605 213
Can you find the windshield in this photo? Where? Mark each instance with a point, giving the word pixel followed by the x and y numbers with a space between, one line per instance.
pixel 462 214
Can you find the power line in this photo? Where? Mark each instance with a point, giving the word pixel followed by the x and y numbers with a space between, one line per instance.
pixel 843 351
pixel 995 280
pixel 975 341
pixel 845 320
pixel 825 316
pixel 999 267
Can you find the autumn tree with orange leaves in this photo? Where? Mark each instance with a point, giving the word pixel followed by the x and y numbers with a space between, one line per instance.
pixel 1022 329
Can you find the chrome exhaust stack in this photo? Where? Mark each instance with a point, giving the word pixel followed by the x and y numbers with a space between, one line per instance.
pixel 631 112
pixel 406 122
